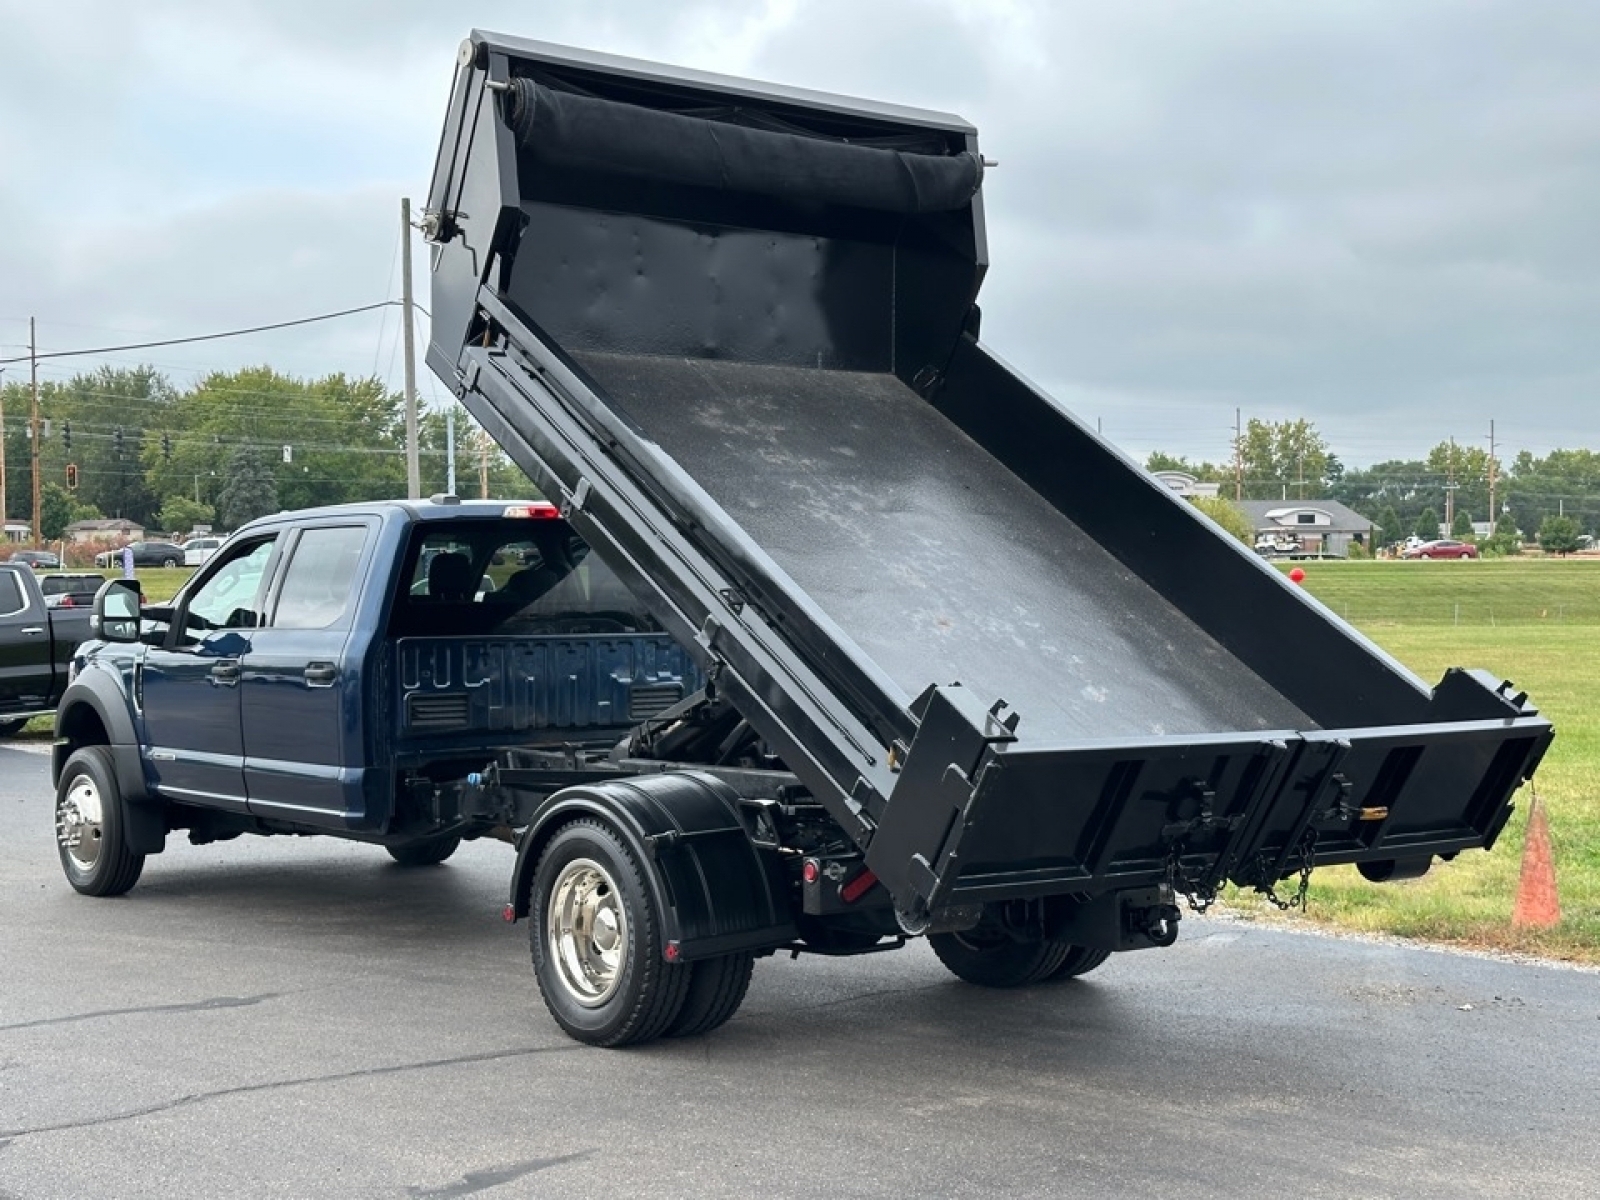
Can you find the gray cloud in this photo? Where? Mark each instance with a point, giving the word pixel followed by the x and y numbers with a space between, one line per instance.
pixel 1376 217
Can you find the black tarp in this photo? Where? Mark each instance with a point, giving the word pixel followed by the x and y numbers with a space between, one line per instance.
pixel 570 131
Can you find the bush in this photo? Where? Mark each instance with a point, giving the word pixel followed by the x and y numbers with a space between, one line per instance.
pixel 1227 514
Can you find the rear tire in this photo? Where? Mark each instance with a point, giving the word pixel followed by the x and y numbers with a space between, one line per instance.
pixel 716 989
pixel 1080 960
pixel 989 958
pixel 596 940
pixel 90 833
pixel 425 852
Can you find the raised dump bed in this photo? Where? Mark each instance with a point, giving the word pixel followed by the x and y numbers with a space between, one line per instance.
pixel 732 329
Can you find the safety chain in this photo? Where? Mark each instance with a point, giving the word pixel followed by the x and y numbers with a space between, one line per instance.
pixel 1307 845
pixel 1198 898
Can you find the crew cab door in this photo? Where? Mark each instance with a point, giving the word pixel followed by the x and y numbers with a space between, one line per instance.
pixel 188 687
pixel 300 690
pixel 25 657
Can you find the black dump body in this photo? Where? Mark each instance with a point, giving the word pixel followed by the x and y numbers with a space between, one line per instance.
pixel 732 329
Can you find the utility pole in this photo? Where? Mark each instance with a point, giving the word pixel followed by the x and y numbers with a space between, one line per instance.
pixel 1494 513
pixel 1450 492
pixel 483 465
pixel 413 464
pixel 33 366
pixel 1238 458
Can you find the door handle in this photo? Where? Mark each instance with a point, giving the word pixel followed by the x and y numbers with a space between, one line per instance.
pixel 226 673
pixel 31 630
pixel 321 674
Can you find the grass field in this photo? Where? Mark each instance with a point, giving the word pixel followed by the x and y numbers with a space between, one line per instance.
pixel 1537 623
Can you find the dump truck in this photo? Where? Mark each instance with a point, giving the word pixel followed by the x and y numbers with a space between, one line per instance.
pixel 831 631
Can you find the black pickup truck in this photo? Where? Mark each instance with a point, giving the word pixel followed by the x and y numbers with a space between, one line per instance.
pixel 837 633
pixel 36 645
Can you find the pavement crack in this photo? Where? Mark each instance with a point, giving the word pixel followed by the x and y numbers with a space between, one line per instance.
pixel 280 1084
pixel 195 1006
pixel 480 1181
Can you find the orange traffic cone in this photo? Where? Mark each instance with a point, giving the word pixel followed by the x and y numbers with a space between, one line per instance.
pixel 1537 905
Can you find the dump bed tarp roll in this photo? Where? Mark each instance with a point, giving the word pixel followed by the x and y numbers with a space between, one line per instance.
pixel 587 133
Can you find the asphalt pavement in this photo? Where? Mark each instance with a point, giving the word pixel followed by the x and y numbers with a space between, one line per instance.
pixel 302 1018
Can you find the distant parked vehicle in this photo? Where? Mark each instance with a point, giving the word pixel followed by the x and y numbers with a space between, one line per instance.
pixel 75 589
pixel 37 559
pixel 145 554
pixel 1277 543
pixel 1442 548
pixel 197 549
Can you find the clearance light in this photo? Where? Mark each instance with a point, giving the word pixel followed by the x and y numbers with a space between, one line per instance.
pixel 811 872
pixel 540 510
pixel 858 887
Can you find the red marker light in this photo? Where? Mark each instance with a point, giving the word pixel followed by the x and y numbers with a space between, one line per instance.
pixel 672 951
pixel 811 872
pixel 509 912
pixel 858 887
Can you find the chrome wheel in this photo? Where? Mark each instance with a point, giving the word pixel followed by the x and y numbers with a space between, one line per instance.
pixel 80 822
pixel 586 930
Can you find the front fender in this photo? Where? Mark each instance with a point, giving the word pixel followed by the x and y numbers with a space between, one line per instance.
pixel 95 710
pixel 717 892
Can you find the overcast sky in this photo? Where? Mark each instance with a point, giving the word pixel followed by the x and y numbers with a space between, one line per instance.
pixel 1381 217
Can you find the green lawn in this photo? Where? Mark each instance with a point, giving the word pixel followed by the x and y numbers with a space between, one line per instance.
pixel 1537 623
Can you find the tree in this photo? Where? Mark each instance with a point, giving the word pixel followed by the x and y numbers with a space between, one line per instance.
pixel 1284 460
pixel 1461 527
pixel 1389 528
pixel 1427 526
pixel 1558 535
pixel 55 511
pixel 250 490
pixel 179 513
pixel 1227 514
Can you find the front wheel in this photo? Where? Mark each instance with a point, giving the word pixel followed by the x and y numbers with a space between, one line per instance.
pixel 90 834
pixel 596 940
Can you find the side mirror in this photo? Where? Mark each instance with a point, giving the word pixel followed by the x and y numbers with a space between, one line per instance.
pixel 116 611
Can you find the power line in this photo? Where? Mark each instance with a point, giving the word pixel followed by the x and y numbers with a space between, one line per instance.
pixel 206 337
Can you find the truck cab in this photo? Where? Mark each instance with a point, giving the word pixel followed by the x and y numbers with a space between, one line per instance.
pixel 324 668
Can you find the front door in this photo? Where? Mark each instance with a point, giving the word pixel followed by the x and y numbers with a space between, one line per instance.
pixel 189 686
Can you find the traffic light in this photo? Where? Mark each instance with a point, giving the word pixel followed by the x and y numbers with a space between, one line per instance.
pixel 72 476
pixel 116 442
pixel 66 437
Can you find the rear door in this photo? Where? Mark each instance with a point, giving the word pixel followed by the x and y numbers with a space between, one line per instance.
pixel 188 688
pixel 300 690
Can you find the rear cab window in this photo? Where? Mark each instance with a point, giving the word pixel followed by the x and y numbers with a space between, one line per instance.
pixel 510 576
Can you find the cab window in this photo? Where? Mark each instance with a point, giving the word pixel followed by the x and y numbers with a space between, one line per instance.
pixel 231 597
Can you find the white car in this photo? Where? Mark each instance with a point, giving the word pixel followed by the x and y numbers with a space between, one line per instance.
pixel 197 550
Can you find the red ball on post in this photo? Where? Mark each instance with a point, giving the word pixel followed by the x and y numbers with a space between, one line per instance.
pixel 1297 575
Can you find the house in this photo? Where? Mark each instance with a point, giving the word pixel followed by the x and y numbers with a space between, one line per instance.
pixel 1181 483
pixel 105 528
pixel 1320 526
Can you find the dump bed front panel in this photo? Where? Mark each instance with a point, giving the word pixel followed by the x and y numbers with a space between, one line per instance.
pixel 561 685
pixel 940 564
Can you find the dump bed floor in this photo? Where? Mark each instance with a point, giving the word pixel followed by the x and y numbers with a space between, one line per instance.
pixel 932 556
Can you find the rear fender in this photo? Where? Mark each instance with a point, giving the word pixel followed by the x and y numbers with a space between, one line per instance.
pixel 716 891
